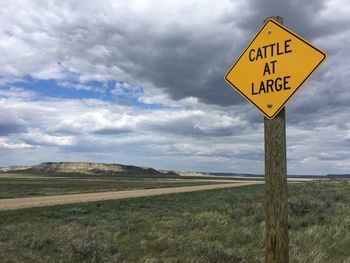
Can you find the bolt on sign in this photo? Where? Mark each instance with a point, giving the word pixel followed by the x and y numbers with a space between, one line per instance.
pixel 273 67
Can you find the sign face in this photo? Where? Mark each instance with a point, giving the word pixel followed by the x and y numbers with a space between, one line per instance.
pixel 273 67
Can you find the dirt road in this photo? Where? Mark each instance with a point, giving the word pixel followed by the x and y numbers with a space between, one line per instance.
pixel 29 202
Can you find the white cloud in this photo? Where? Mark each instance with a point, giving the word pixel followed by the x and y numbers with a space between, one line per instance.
pixel 93 126
pixel 166 137
pixel 6 144
pixel 39 138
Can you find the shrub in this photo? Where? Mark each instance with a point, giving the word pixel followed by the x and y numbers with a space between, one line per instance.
pixel 300 206
pixel 4 236
pixel 239 210
pixel 86 248
pixel 215 252
pixel 36 243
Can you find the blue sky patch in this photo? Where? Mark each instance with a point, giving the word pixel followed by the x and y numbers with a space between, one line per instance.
pixel 112 91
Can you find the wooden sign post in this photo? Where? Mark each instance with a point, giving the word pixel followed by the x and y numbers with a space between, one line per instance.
pixel 268 73
pixel 276 203
pixel 276 209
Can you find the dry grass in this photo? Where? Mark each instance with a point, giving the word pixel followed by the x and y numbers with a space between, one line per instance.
pixel 211 226
pixel 30 185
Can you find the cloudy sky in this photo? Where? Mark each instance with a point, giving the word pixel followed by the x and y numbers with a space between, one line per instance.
pixel 142 82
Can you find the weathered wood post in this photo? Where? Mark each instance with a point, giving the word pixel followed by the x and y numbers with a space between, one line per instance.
pixel 276 207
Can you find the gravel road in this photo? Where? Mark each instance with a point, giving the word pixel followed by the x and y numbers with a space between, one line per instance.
pixel 29 202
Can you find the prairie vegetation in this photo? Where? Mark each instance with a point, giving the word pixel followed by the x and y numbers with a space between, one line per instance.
pixel 27 184
pixel 210 226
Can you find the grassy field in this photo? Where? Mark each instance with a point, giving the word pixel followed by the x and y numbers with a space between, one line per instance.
pixel 24 185
pixel 209 226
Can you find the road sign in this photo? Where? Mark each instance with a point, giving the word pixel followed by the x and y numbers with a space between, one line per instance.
pixel 273 67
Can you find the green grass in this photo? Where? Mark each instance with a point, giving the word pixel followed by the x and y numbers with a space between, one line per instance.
pixel 24 185
pixel 210 226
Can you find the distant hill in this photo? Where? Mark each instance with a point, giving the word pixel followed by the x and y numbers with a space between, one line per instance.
pixel 13 168
pixel 262 175
pixel 338 176
pixel 87 168
pixel 237 174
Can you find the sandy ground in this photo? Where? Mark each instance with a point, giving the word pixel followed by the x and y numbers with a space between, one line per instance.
pixel 29 202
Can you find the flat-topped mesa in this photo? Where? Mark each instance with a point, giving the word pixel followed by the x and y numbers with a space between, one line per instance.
pixel 75 167
pixel 91 168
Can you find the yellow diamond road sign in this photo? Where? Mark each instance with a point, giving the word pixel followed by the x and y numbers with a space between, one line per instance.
pixel 273 67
